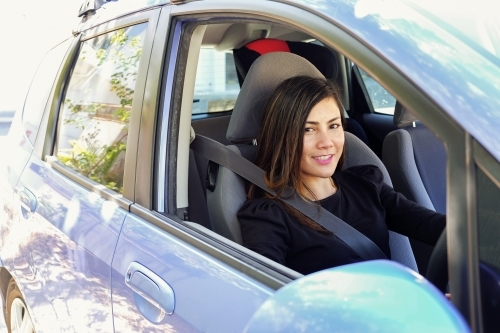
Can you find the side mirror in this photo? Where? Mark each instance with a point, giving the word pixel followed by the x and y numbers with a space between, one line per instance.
pixel 372 296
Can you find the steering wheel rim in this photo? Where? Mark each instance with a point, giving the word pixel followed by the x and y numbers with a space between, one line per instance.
pixel 437 270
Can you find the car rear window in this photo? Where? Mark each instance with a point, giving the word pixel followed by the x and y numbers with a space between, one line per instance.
pixel 216 87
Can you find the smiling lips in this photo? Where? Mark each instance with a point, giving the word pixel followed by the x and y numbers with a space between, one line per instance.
pixel 323 159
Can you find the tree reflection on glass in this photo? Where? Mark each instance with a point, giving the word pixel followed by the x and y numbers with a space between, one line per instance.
pixel 97 107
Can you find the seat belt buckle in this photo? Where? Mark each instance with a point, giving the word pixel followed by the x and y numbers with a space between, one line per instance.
pixel 211 179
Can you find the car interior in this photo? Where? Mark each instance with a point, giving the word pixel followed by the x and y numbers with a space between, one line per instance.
pixel 221 91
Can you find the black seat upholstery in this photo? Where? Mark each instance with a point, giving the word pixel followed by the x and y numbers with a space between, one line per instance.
pixel 416 160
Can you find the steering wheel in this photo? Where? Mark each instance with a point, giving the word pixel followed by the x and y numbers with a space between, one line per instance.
pixel 437 270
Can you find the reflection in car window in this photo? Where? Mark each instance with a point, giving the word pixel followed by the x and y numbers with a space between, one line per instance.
pixel 216 86
pixel 382 101
pixel 95 116
pixel 40 89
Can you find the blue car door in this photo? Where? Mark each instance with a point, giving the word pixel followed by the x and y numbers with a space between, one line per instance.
pixel 168 275
pixel 73 191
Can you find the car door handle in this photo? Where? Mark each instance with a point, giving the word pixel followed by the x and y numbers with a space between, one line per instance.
pixel 27 199
pixel 151 287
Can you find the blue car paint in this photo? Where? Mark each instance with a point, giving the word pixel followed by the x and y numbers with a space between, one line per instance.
pixel 373 296
pixel 65 252
pixel 132 246
pixel 458 76
pixel 204 288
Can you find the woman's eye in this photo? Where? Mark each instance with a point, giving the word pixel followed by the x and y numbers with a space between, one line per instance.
pixel 308 129
pixel 335 126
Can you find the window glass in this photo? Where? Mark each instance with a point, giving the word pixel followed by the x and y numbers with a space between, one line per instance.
pixel 382 101
pixel 488 194
pixel 96 111
pixel 216 86
pixel 489 220
pixel 40 89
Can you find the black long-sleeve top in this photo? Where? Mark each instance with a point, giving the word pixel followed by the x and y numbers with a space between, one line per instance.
pixel 362 200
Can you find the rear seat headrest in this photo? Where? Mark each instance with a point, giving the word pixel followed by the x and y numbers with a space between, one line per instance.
pixel 266 73
pixel 402 116
pixel 320 56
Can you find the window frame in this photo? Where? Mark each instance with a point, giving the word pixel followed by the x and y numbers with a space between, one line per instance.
pixel 434 117
pixel 67 43
pixel 166 64
pixel 52 119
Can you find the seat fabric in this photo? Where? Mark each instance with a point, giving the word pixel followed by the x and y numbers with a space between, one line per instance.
pixel 229 194
pixel 416 161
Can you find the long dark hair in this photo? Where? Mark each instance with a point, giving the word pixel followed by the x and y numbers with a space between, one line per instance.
pixel 281 138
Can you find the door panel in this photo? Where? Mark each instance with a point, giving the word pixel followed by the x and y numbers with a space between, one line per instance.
pixel 64 265
pixel 209 296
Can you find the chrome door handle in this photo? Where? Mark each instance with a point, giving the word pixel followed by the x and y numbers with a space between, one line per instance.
pixel 151 287
pixel 27 199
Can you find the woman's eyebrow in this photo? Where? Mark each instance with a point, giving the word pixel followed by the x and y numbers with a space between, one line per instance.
pixel 328 122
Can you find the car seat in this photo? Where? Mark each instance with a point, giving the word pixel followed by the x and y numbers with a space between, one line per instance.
pixel 416 161
pixel 229 193
pixel 321 57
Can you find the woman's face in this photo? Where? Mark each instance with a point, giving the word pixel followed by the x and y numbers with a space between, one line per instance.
pixel 323 142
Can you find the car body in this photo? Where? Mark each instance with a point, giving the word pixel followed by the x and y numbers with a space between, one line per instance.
pixel 97 232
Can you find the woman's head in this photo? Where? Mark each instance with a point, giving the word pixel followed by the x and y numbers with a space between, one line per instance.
pixel 301 134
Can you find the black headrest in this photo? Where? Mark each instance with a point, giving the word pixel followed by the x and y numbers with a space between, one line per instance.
pixel 403 117
pixel 321 57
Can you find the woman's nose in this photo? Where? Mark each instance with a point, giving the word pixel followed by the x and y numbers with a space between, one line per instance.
pixel 324 140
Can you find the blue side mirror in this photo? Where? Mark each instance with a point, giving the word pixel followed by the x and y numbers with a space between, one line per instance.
pixel 373 296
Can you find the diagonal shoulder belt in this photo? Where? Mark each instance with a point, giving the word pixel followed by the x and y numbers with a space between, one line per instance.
pixel 222 155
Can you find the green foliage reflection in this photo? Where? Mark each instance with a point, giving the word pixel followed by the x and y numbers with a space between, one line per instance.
pixel 117 60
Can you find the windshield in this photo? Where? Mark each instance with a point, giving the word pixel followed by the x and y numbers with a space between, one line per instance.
pixel 478 20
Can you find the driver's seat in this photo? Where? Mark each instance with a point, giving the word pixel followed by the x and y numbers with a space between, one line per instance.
pixel 229 194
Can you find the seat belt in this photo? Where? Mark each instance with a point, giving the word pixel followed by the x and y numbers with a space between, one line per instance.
pixel 222 155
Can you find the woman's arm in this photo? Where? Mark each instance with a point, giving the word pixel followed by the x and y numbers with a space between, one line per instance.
pixel 410 219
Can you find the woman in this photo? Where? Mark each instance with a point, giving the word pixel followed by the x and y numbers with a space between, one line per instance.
pixel 301 145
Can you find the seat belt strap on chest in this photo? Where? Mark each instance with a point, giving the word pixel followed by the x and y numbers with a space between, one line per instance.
pixel 222 155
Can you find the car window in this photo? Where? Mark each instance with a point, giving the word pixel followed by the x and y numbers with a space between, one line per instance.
pixel 216 86
pixel 489 249
pixel 93 124
pixel 382 101
pixel 489 221
pixel 40 89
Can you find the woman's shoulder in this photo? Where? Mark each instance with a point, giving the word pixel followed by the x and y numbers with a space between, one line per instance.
pixel 368 172
pixel 260 206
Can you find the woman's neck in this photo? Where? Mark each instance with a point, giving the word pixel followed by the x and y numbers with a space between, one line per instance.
pixel 321 187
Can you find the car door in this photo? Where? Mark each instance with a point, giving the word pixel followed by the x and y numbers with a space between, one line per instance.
pixel 19 142
pixel 167 276
pixel 74 200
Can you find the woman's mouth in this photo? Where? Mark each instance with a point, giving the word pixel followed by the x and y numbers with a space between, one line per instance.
pixel 323 159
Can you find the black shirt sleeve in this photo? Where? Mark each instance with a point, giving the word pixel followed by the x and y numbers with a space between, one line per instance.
pixel 264 228
pixel 402 215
